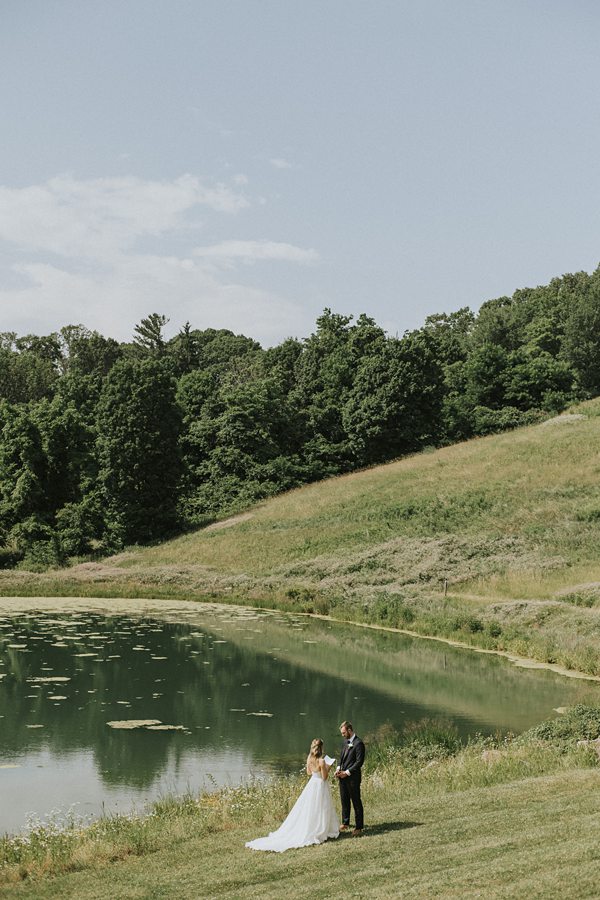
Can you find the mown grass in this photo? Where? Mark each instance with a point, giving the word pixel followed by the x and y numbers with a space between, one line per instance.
pixel 443 820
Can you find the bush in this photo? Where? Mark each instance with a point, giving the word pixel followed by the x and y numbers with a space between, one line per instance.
pixel 9 557
pixel 490 421
pixel 78 525
pixel 38 544
pixel 468 624
pixel 391 610
pixel 42 555
pixel 577 724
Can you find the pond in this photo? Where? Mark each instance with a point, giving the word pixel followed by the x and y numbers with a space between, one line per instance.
pixel 243 692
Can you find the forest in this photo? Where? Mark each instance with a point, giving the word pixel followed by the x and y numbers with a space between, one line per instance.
pixel 106 444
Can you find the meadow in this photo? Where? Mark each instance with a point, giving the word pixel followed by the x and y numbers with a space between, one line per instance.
pixel 492 542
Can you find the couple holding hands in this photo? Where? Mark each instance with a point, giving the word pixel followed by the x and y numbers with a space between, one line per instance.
pixel 313 818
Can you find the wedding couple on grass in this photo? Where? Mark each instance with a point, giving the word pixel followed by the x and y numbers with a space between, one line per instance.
pixel 313 818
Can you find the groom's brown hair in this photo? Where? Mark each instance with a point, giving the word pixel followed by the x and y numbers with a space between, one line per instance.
pixel 347 725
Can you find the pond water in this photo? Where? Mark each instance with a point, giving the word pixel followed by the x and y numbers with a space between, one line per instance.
pixel 245 690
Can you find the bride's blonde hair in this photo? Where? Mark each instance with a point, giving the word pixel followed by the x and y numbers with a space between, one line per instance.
pixel 316 748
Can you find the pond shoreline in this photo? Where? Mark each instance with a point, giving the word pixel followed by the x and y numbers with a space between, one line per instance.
pixel 522 662
pixel 58 604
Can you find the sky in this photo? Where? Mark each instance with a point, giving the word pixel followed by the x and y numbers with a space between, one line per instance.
pixel 244 164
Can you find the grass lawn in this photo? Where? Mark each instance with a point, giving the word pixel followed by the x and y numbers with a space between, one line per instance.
pixel 535 837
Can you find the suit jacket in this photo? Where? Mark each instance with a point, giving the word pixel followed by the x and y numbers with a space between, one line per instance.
pixel 352 758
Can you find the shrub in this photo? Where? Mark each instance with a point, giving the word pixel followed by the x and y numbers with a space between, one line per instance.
pixel 489 421
pixel 391 610
pixel 581 722
pixel 38 544
pixel 78 524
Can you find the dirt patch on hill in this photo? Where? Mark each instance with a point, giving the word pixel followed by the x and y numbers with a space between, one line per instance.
pixel 228 523
pixel 566 419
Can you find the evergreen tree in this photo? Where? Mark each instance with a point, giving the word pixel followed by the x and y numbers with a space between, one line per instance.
pixel 148 334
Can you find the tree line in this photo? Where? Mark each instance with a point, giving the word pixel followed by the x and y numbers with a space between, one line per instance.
pixel 106 444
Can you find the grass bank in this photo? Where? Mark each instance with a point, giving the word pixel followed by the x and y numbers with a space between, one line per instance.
pixel 443 820
pixel 493 542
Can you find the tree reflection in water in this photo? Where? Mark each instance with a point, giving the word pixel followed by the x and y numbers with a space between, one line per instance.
pixel 214 674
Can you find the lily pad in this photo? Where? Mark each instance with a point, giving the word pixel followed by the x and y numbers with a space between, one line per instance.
pixel 127 724
pixel 47 679
pixel 165 728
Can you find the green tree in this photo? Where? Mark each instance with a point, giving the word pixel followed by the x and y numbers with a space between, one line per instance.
pixel 22 468
pixel 148 334
pixel 450 334
pixel 395 403
pixel 325 376
pixel 88 352
pixel 138 432
pixel 582 337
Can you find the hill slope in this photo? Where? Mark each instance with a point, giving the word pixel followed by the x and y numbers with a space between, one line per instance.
pixel 511 522
pixel 494 841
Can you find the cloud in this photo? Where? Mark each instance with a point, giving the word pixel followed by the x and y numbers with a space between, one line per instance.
pixel 96 218
pixel 85 251
pixel 278 163
pixel 252 251
pixel 112 301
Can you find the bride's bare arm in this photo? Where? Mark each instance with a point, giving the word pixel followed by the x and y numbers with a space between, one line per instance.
pixel 324 769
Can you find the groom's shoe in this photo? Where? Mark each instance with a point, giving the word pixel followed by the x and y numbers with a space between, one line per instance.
pixel 344 827
pixel 357 832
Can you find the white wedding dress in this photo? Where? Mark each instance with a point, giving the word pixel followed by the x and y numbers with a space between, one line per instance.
pixel 311 820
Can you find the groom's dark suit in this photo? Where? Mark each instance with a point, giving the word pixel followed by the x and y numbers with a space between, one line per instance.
pixel 351 759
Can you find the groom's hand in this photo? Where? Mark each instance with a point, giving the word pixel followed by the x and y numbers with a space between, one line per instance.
pixel 341 774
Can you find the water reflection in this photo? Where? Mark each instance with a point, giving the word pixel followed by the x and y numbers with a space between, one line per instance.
pixel 250 689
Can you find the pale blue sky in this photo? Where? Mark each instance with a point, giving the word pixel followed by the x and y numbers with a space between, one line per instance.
pixel 245 164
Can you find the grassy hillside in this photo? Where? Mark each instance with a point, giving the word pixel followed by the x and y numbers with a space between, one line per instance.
pixel 510 522
pixel 513 512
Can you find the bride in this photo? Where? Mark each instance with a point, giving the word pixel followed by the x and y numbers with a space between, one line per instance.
pixel 313 818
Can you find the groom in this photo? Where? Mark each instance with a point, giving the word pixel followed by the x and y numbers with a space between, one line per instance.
pixel 349 776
